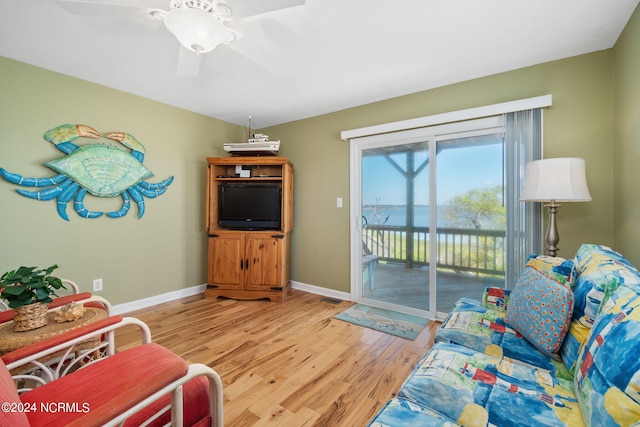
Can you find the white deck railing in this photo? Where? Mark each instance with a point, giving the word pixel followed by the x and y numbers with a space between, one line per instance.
pixel 459 249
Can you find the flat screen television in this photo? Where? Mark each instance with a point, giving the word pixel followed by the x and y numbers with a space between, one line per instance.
pixel 249 206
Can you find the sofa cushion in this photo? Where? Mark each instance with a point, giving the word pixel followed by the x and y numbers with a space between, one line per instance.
pixel 477 390
pixel 195 406
pixel 607 379
pixel 12 412
pixel 485 330
pixel 558 269
pixel 401 412
pixel 496 298
pixel 601 270
pixel 106 388
pixel 541 303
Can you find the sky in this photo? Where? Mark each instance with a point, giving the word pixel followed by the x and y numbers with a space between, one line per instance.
pixel 459 170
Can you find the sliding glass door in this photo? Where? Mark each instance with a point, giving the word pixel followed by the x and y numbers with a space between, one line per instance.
pixel 431 216
pixel 471 220
pixel 395 224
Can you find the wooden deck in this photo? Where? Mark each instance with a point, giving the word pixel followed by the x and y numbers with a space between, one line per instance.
pixel 398 284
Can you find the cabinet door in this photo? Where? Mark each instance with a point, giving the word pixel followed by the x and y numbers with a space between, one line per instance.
pixel 264 254
pixel 226 260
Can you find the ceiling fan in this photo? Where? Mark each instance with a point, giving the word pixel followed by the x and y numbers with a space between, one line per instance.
pixel 199 25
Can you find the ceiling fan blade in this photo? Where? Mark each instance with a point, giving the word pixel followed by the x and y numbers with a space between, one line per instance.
pixel 244 8
pixel 259 55
pixel 121 8
pixel 188 63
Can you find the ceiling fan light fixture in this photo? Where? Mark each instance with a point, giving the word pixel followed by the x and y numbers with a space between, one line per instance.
pixel 195 29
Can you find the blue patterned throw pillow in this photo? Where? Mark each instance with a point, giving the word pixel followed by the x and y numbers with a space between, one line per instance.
pixel 541 304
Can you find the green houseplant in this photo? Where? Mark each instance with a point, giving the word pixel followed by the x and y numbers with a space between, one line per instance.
pixel 27 291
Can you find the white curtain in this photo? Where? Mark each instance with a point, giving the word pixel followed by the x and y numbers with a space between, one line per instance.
pixel 523 143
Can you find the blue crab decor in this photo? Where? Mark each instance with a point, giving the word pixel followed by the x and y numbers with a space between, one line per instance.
pixel 102 170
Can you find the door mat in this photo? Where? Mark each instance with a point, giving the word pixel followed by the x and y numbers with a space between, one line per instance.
pixel 388 321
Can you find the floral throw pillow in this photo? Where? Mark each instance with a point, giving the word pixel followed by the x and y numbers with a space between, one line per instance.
pixel 541 303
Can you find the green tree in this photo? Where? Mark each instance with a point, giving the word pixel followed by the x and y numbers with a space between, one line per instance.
pixel 479 208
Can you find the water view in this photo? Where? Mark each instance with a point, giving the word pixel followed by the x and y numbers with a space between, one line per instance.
pixel 396 215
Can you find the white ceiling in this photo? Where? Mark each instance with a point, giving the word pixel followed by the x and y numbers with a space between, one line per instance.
pixel 334 54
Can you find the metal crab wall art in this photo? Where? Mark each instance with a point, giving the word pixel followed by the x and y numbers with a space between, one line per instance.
pixel 102 170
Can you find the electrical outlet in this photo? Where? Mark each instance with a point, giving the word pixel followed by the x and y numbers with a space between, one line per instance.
pixel 97 285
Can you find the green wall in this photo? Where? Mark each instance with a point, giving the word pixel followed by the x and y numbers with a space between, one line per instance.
pixel 580 124
pixel 627 140
pixel 163 251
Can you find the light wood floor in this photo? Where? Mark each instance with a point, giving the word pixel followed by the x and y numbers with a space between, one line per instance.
pixel 290 363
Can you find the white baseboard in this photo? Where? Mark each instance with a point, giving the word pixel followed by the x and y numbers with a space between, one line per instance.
pixel 198 289
pixel 158 299
pixel 346 296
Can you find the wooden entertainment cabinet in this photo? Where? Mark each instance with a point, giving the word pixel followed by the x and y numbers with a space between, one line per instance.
pixel 249 264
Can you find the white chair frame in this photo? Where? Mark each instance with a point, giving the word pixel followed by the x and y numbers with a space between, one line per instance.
pixel 53 369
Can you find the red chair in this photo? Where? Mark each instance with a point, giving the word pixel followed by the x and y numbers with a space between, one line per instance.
pixel 67 385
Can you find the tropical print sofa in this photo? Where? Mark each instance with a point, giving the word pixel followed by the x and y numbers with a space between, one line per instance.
pixel 561 349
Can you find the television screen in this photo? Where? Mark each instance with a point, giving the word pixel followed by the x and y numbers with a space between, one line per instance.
pixel 249 206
